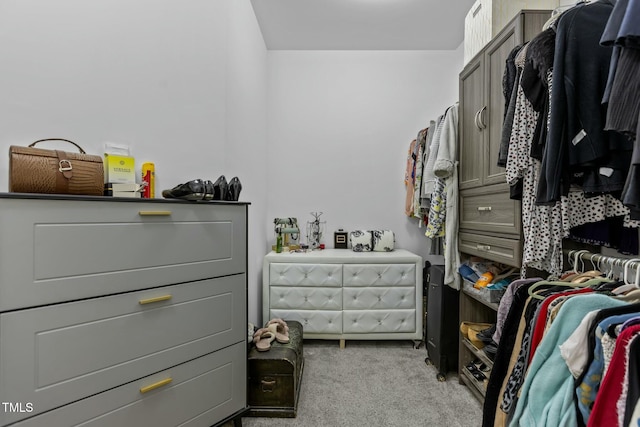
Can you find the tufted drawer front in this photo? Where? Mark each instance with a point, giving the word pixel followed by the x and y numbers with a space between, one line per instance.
pixel 379 298
pixel 379 275
pixel 115 339
pixel 307 298
pixel 61 250
pixel 319 322
pixel 283 274
pixel 379 321
pixel 199 391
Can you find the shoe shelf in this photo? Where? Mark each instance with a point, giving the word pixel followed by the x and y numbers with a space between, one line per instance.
pixel 491 305
pixel 473 308
pixel 477 387
pixel 477 352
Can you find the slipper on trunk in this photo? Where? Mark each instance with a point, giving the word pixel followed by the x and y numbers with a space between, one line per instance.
pixel 263 338
pixel 280 330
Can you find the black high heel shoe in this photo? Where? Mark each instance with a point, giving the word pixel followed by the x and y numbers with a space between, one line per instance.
pixel 234 189
pixel 192 190
pixel 208 190
pixel 220 188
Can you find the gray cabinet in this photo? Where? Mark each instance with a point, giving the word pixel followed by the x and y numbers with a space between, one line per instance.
pixel 119 312
pixel 490 222
pixel 486 210
pixel 482 102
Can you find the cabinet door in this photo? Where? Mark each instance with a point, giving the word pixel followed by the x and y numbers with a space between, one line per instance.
pixel 492 117
pixel 471 133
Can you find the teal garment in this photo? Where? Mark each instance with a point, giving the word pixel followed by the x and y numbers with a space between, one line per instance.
pixel 587 390
pixel 547 395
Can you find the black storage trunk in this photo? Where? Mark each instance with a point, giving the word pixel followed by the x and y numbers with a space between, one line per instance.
pixel 442 323
pixel 275 376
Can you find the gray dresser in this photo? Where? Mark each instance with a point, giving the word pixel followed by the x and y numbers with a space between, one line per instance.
pixel 341 294
pixel 121 312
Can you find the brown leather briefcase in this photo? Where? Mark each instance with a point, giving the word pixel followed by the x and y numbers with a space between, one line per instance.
pixel 37 170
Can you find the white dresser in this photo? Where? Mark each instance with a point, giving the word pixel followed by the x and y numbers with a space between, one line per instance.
pixel 121 312
pixel 341 294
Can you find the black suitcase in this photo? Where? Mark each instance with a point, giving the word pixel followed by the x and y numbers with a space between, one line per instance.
pixel 442 323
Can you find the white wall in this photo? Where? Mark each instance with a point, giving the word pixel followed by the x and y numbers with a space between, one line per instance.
pixel 340 124
pixel 246 148
pixel 149 73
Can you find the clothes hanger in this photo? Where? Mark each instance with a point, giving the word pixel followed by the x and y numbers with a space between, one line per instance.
pixel 625 276
pixel 574 258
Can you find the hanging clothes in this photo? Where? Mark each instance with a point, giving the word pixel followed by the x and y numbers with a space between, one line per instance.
pixel 577 140
pixel 443 213
pixel 409 177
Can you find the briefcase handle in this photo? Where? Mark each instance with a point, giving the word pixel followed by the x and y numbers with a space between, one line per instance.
pixel 58 139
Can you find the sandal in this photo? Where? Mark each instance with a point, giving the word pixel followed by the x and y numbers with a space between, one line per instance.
pixel 279 329
pixel 263 338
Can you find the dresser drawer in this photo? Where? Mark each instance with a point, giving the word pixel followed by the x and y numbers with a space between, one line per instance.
pixel 200 393
pixel 489 209
pixel 294 274
pixel 507 251
pixel 379 321
pixel 379 298
pixel 57 354
pixel 307 298
pixel 379 275
pixel 60 250
pixel 313 321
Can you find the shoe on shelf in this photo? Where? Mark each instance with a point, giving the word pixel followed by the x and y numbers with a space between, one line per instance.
pixel 208 190
pixel 192 190
pixel 233 189
pixel 486 335
pixel 220 188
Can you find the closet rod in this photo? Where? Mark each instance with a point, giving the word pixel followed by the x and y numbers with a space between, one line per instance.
pixel 598 259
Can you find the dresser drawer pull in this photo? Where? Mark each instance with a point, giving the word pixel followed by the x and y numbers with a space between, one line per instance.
pixel 155 385
pixel 484 208
pixel 154 213
pixel 485 248
pixel 155 299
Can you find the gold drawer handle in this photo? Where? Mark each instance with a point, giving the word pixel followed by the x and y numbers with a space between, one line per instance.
pixel 155 385
pixel 155 299
pixel 154 213
pixel 485 248
pixel 484 208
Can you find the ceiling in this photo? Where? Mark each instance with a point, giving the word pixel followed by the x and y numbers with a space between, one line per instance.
pixel 362 24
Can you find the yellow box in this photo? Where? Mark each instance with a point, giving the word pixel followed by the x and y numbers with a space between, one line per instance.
pixel 119 168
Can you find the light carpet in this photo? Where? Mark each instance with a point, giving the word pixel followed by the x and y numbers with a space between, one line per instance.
pixel 376 383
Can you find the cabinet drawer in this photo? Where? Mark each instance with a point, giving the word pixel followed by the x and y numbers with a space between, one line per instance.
pixel 507 251
pixel 61 250
pixel 490 209
pixel 200 393
pixel 307 298
pixel 313 321
pixel 379 321
pixel 379 298
pixel 53 355
pixel 293 274
pixel 379 274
